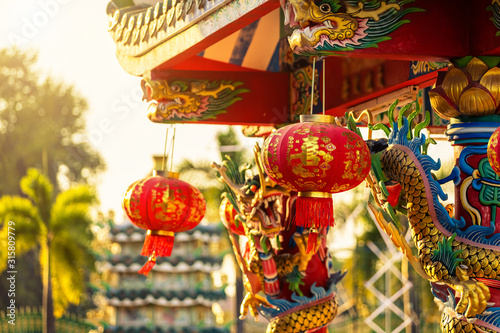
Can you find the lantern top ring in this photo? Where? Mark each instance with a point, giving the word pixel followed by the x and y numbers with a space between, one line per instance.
pixel 317 118
pixel 169 174
pixel 315 194
pixel 160 233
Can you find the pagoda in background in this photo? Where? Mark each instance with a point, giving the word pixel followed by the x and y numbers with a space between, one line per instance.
pixel 180 294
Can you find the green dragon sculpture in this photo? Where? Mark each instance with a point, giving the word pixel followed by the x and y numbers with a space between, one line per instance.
pixel 328 26
pixel 458 246
pixel 456 262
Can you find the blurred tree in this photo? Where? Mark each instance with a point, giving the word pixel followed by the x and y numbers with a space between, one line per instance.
pixel 41 125
pixel 229 145
pixel 60 227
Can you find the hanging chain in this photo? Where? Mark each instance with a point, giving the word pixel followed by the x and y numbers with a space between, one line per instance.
pixel 170 156
pixel 164 151
pixel 324 84
pixel 312 86
pixel 172 152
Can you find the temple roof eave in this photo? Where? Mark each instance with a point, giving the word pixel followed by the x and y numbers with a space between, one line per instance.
pixel 149 36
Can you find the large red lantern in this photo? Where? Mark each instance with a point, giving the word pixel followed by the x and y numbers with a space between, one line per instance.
pixel 494 151
pixel 316 158
pixel 162 206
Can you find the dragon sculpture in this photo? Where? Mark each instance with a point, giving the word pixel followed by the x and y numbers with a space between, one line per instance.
pixel 458 247
pixel 297 283
pixel 194 100
pixel 326 26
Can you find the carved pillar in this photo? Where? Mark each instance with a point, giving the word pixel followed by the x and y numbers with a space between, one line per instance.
pixel 469 95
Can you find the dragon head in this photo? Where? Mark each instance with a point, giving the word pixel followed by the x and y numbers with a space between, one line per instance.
pixel 175 97
pixel 318 20
pixel 260 203
pixel 334 25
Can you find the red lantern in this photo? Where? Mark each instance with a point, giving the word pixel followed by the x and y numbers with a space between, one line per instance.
pixel 162 206
pixel 494 151
pixel 316 158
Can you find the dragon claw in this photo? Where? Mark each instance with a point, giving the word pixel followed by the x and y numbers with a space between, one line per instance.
pixel 303 257
pixel 252 303
pixel 474 295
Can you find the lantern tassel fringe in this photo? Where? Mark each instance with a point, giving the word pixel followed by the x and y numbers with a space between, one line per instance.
pixel 161 245
pixel 314 212
pixel 148 266
pixel 312 242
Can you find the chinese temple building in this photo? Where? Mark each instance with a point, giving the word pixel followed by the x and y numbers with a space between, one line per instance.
pixel 409 69
pixel 178 294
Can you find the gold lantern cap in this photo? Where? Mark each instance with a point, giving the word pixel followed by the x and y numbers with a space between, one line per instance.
pixel 315 194
pixel 168 174
pixel 317 118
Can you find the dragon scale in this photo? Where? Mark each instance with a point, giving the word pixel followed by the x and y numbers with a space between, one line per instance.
pixel 400 167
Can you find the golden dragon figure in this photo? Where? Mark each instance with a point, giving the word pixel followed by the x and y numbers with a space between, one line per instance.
pixel 173 99
pixel 458 248
pixel 329 26
pixel 285 281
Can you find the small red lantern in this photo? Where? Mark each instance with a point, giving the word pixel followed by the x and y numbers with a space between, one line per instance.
pixel 162 206
pixel 494 151
pixel 316 158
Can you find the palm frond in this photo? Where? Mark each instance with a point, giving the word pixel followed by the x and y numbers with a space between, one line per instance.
pixel 72 204
pixel 67 288
pixel 39 189
pixel 69 261
pixel 25 227
pixel 77 195
pixel 73 218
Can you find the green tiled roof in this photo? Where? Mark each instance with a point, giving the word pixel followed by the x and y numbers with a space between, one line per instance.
pixel 144 329
pixel 211 229
pixel 173 260
pixel 209 295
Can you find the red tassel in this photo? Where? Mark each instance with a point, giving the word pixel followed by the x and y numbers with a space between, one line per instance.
pixel 312 241
pixel 313 212
pixel 148 266
pixel 161 244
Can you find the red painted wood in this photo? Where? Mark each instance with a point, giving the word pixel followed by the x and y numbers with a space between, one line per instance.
pixel 197 63
pixel 366 79
pixel 482 34
pixel 268 99
pixel 266 103
pixel 422 82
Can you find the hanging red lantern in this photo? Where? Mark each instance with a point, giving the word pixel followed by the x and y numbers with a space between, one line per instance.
pixel 316 158
pixel 494 151
pixel 162 206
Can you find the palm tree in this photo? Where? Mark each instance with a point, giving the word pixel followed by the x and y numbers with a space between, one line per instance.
pixel 60 228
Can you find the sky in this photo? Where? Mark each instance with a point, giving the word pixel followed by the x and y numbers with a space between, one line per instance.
pixel 74 46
